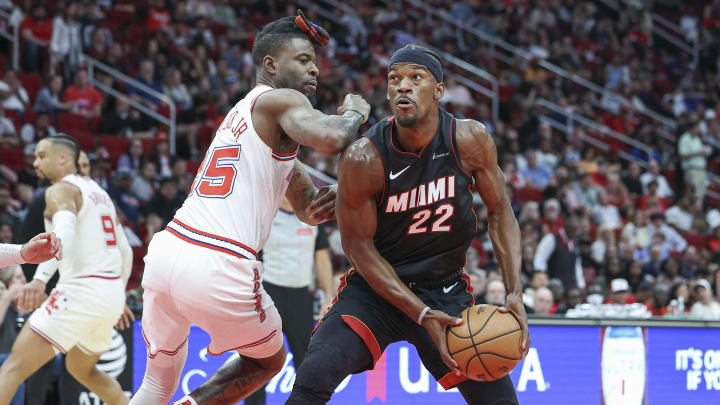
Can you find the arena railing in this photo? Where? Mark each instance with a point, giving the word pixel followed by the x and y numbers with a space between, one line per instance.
pixel 572 118
pixel 663 28
pixel 94 64
pixel 495 43
pixel 458 64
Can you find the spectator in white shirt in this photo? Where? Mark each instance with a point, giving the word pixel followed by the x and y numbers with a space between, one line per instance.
pixel 693 160
pixel 680 215
pixel 674 242
pixel 706 307
pixel 13 94
pixel 66 41
pixel 653 173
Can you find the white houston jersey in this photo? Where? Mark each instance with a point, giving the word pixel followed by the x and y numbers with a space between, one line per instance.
pixel 95 251
pixel 238 188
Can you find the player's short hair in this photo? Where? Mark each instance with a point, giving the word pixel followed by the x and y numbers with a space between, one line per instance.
pixel 273 36
pixel 69 143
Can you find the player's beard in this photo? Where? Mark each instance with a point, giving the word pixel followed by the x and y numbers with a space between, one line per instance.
pixel 406 120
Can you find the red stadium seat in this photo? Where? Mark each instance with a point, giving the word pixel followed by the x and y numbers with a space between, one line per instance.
pixel 85 139
pixel 697 240
pixel 14 158
pixel 526 194
pixel 115 143
pixel 72 123
pixel 32 82
pixel 14 116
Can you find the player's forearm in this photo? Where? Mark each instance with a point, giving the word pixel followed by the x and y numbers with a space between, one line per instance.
pixel 505 235
pixel 10 254
pixel 380 275
pixel 338 131
pixel 301 192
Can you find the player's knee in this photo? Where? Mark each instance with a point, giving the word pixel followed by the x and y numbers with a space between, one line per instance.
pixel 274 363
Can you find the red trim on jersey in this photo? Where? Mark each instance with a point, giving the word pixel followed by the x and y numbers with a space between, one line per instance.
pixel 365 334
pixel 392 124
pixel 169 353
pixel 46 337
pixel 254 100
pixel 209 235
pixel 469 288
pixel 102 277
pixel 457 159
pixel 247 346
pixel 451 380
pixel 316 327
pixel 343 284
pixel 205 245
pixel 382 197
pixel 285 157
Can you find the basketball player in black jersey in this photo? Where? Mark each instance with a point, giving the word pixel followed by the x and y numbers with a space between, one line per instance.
pixel 404 208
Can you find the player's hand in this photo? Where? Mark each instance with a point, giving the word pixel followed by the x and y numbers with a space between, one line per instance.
pixel 126 319
pixel 357 103
pixel 33 294
pixel 514 305
pixel 322 207
pixel 436 323
pixel 42 248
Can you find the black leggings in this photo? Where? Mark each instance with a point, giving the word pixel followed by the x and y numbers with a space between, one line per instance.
pixel 336 351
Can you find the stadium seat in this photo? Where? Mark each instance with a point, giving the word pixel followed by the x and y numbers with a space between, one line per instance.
pixel 14 158
pixel 526 194
pixel 72 123
pixel 14 116
pixel 115 143
pixel 697 240
pixel 85 139
pixel 32 82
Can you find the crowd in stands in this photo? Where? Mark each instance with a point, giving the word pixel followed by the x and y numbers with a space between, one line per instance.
pixel 596 227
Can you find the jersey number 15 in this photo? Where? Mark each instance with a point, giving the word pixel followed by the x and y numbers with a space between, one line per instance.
pixel 216 178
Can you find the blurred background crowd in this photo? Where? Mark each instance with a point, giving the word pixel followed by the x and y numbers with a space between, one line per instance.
pixel 616 190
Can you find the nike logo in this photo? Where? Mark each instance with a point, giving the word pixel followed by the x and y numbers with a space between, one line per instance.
pixel 393 176
pixel 447 290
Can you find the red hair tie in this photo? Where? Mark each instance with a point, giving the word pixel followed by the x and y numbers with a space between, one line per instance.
pixel 317 34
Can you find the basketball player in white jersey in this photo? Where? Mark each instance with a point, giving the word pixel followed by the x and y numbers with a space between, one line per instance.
pixel 78 317
pixel 202 269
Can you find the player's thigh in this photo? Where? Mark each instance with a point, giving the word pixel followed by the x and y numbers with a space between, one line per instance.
pixel 335 351
pixel 164 328
pixel 80 363
pixel 29 352
pixel 498 392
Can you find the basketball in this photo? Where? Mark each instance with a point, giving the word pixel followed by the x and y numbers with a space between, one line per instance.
pixel 487 345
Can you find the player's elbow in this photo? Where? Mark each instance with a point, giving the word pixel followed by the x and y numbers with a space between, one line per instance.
pixel 333 143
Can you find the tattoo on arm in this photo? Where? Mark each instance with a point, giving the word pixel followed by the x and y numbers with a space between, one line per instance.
pixel 301 189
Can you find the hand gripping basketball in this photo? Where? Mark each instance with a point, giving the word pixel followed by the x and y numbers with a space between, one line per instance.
pixel 488 345
pixel 437 323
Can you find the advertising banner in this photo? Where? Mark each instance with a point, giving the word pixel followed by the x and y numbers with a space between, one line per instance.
pixel 565 365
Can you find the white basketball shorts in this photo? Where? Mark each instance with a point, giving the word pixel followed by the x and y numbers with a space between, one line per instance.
pixel 191 278
pixel 81 312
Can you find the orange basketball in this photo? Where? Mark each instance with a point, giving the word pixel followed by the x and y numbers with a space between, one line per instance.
pixel 487 345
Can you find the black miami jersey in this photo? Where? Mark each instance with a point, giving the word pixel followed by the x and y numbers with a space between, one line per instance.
pixel 425 218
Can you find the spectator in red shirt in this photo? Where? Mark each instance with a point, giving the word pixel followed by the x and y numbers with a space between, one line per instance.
pixel 36 31
pixel 85 98
pixel 158 17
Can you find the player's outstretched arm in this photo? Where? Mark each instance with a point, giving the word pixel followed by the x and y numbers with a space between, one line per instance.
pixel 479 154
pixel 63 201
pixel 360 179
pixel 327 134
pixel 41 248
pixel 311 205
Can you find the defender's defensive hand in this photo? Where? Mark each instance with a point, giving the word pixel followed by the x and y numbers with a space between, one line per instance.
pixel 42 248
pixel 436 323
pixel 514 305
pixel 33 295
pixel 357 103
pixel 126 319
pixel 322 207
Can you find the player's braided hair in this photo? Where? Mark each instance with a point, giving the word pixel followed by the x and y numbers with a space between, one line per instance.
pixel 68 142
